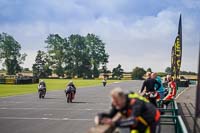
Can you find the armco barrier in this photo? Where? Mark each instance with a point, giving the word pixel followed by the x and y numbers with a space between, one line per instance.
pixel 18 80
pixel 24 81
pixel 10 81
pixel 2 81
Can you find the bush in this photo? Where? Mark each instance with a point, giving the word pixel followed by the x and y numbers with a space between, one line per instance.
pixel 162 74
pixel 138 73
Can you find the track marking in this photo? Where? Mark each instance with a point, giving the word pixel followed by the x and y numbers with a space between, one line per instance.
pixel 47 114
pixel 5 108
pixel 44 118
pixel 181 92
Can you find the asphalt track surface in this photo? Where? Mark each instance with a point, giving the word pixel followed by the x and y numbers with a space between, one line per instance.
pixel 29 114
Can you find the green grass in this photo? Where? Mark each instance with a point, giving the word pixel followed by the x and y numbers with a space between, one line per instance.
pixel 52 84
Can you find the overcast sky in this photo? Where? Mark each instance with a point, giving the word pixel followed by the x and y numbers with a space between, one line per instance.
pixel 136 32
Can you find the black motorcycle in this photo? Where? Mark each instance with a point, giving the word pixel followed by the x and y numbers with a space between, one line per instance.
pixel 70 94
pixel 104 83
pixel 70 97
pixel 42 92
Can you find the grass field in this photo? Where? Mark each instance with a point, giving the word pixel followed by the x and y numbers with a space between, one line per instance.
pixel 52 84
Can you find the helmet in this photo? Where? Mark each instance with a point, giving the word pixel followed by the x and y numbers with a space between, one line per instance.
pixel 70 82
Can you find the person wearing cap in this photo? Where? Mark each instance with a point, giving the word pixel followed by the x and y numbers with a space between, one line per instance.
pixel 132 111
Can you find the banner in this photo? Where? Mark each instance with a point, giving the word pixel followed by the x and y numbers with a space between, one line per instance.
pixel 173 68
pixel 176 54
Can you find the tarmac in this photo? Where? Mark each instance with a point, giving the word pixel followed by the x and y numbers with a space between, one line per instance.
pixel 186 104
pixel 29 114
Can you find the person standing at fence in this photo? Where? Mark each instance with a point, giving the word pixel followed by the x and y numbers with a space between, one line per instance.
pixel 161 90
pixel 172 88
pixel 148 89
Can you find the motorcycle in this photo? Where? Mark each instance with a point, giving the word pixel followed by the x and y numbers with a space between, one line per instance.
pixel 152 97
pixel 104 83
pixel 70 94
pixel 42 91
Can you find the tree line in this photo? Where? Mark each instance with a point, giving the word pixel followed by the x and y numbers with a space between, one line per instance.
pixel 76 55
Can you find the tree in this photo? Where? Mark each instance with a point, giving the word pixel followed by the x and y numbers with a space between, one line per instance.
pixel 168 70
pixel 80 55
pixel 105 71
pixel 76 55
pixel 187 73
pixel 138 73
pixel 117 73
pixel 96 52
pixel 149 70
pixel 56 53
pixel 41 67
pixel 26 70
pixel 10 54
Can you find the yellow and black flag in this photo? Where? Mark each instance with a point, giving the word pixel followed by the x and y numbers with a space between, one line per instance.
pixel 177 52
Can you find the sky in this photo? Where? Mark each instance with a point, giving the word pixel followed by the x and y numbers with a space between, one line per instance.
pixel 136 32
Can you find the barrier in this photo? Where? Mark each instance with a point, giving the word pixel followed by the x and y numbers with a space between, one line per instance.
pixel 176 121
pixel 24 81
pixel 175 118
pixel 172 107
pixel 10 81
pixel 2 81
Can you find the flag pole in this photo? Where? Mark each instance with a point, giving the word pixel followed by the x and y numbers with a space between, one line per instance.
pixel 197 109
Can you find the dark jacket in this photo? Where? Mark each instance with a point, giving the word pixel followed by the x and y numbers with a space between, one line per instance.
pixel 136 107
pixel 150 84
pixel 70 88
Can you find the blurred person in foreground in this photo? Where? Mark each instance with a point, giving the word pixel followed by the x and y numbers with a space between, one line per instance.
pixel 130 110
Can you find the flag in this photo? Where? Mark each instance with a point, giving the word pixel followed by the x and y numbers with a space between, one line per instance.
pixel 197 111
pixel 177 52
pixel 173 69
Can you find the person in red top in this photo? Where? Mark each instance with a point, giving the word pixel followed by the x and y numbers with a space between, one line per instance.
pixel 172 88
pixel 172 91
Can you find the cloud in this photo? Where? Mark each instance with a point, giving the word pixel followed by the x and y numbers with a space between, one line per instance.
pixel 136 33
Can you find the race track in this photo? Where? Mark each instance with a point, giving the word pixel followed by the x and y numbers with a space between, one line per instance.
pixel 29 114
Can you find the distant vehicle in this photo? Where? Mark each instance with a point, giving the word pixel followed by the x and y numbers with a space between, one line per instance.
pixel 104 82
pixel 41 91
pixel 70 93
